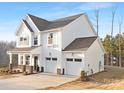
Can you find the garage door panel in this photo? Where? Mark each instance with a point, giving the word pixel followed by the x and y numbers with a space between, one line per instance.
pixel 51 66
pixel 73 68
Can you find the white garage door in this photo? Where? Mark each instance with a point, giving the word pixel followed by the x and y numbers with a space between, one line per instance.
pixel 73 66
pixel 51 65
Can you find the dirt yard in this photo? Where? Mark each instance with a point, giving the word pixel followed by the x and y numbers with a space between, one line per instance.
pixel 111 78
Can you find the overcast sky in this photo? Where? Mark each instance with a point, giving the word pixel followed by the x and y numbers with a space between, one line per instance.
pixel 12 13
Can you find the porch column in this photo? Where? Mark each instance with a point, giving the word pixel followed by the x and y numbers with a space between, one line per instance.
pixel 24 64
pixel 19 59
pixel 30 59
pixel 31 66
pixel 10 61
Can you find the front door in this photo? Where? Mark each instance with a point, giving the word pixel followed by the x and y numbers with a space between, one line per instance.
pixel 35 63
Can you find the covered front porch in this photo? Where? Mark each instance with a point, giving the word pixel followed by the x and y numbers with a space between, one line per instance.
pixel 28 59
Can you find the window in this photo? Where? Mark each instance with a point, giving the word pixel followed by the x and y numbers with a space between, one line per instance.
pixel 69 59
pixel 21 38
pixel 27 59
pixel 25 39
pixel 48 58
pixel 54 59
pixel 35 40
pixel 50 38
pixel 25 42
pixel 78 60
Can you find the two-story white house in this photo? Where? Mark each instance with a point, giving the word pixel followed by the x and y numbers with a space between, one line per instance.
pixel 63 46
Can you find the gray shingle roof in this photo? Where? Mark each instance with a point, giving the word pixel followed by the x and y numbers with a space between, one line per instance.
pixel 80 44
pixel 43 24
pixel 28 25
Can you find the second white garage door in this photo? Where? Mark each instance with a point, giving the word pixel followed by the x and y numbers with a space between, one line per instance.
pixel 51 65
pixel 73 66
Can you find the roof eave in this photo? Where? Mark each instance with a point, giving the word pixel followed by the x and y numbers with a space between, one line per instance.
pixel 16 52
pixel 51 30
pixel 74 51
pixel 33 23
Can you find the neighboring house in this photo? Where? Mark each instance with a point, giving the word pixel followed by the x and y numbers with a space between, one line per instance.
pixel 63 46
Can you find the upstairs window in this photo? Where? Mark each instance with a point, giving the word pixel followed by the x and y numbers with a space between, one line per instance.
pixel 25 39
pixel 50 38
pixel 35 40
pixel 21 38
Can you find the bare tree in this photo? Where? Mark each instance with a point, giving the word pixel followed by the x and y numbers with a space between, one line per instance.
pixel 97 11
pixel 119 43
pixel 113 17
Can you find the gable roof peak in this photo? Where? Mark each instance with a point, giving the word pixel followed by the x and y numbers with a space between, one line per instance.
pixel 72 17
pixel 43 24
pixel 28 26
pixel 33 16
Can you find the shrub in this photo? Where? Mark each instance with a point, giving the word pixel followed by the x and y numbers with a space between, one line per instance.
pixel 84 76
pixel 9 72
pixel 14 71
pixel 25 73
pixel 18 71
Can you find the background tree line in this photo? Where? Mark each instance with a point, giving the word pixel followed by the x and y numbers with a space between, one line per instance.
pixel 116 41
pixel 4 57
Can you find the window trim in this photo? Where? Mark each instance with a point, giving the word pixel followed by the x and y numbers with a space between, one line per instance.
pixel 48 58
pixel 25 39
pixel 78 60
pixel 35 40
pixel 21 39
pixel 50 39
pixel 54 59
pixel 69 59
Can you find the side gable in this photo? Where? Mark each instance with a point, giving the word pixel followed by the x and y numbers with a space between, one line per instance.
pixel 28 26
pixel 23 25
pixel 42 24
pixel 101 45
pixel 97 43
pixel 39 23
pixel 90 24
pixel 78 28
pixel 80 44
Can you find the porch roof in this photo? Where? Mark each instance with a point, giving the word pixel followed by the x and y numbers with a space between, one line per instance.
pixel 22 50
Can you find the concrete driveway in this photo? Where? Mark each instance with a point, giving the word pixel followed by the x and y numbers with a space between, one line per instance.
pixel 35 81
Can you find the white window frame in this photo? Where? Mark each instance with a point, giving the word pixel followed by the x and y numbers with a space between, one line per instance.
pixel 24 40
pixel 49 36
pixel 35 38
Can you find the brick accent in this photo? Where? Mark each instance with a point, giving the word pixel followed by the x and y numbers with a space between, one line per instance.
pixel 22 67
pixel 10 67
pixel 58 71
pixel 29 69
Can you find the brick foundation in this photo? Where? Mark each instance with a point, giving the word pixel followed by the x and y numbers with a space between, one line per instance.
pixel 10 67
pixel 58 71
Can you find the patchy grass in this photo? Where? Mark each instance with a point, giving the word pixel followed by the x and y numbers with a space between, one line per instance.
pixel 111 78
